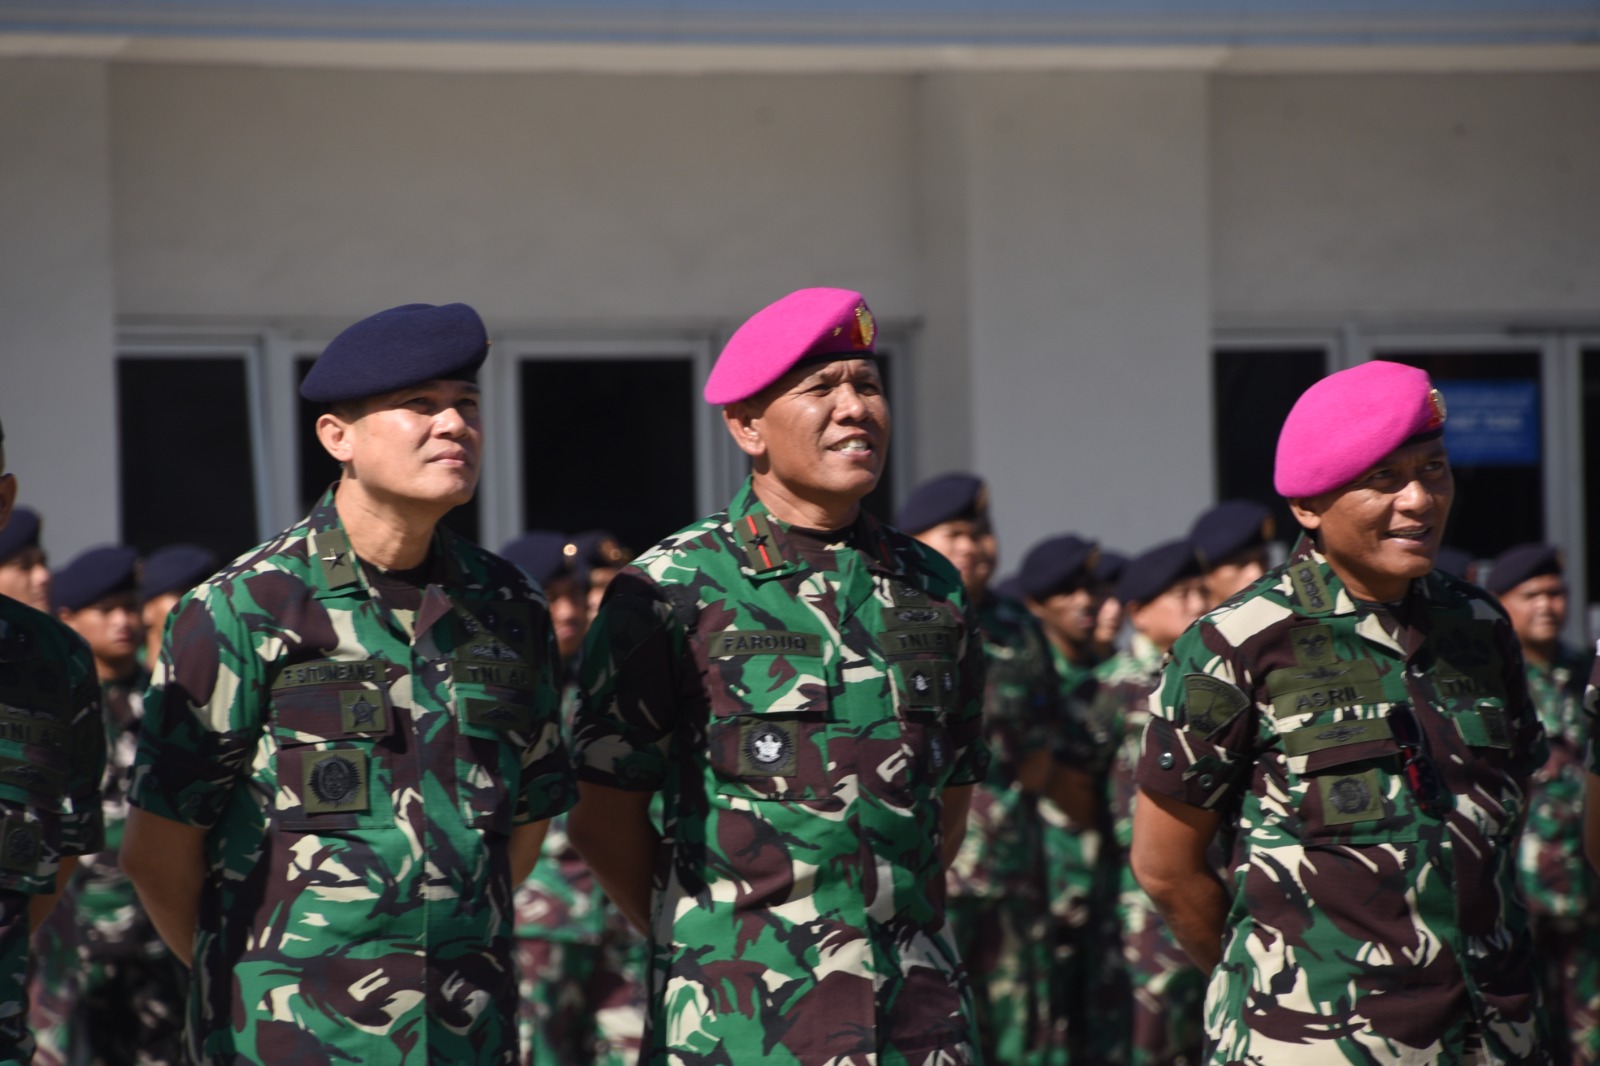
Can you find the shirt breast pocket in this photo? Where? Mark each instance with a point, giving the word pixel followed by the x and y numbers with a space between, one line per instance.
pixel 332 744
pixel 1351 769
pixel 498 721
pixel 768 734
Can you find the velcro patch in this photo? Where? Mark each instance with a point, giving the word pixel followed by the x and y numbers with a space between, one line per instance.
pixel 1210 703
pixel 21 846
pixel 1485 726
pixel 330 672
pixel 1313 645
pixel 1309 588
pixel 40 780
pixel 736 643
pixel 334 781
pixel 1348 798
pixel 505 717
pixel 362 711
pixel 1312 738
pixel 767 749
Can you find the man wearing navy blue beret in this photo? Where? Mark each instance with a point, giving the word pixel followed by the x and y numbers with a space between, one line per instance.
pixel 24 567
pixel 352 744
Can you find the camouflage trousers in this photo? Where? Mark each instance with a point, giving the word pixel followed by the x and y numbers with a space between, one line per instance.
pixel 110 1012
pixel 1568 949
pixel 16 1042
pixel 1165 991
pixel 1008 961
pixel 580 1004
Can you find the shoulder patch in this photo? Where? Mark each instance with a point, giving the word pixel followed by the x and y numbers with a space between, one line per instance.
pixel 1211 703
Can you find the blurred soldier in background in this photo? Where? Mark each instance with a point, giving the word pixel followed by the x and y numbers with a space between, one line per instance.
pixel 107 990
pixel 166 575
pixel 998 909
pixel 1563 903
pixel 1234 543
pixel 1160 990
pixel 24 567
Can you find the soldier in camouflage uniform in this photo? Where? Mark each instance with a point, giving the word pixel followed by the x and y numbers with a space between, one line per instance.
pixel 1561 890
pixel 804 687
pixel 1365 722
pixel 1234 542
pixel 997 904
pixel 1062 586
pixel 352 742
pixel 1160 988
pixel 566 964
pixel 24 567
pixel 106 988
pixel 52 755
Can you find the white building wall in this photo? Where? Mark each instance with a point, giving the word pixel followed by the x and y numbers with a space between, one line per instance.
pixel 57 390
pixel 1090 304
pixel 536 197
pixel 1407 196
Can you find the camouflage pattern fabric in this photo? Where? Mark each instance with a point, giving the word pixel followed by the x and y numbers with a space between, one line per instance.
pixel 52 756
pixel 802 701
pixel 105 987
pixel 1377 757
pixel 1160 993
pixel 998 907
pixel 579 962
pixel 1077 878
pixel 1556 879
pixel 359 763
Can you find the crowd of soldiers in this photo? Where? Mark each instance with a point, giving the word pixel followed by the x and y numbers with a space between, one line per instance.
pixel 794 784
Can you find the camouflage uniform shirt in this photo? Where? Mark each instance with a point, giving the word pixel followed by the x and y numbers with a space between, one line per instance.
pixel 1555 876
pixel 802 700
pixel 52 755
pixel 360 759
pixel 1377 758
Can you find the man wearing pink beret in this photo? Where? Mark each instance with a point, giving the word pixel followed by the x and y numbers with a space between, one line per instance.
pixel 1361 722
pixel 803 687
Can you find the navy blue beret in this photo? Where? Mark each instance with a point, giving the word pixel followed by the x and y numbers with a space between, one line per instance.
pixel 599 547
pixel 94 575
pixel 544 554
pixel 1151 573
pixel 1057 564
pixel 943 499
pixel 1515 565
pixel 21 532
pixel 175 568
pixel 1108 571
pixel 396 349
pixel 1453 561
pixel 1228 528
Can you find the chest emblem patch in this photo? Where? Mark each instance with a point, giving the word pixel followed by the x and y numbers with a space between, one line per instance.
pixel 335 781
pixel 767 749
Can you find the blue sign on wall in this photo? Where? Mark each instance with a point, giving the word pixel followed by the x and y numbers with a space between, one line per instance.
pixel 1491 423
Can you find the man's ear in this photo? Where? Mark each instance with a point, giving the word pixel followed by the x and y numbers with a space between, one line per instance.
pixel 744 425
pixel 334 434
pixel 1307 510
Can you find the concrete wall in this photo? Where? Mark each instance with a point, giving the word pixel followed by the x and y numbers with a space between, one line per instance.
pixel 57 389
pixel 1470 195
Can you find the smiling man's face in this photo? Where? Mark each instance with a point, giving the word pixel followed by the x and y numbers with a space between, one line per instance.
pixel 1383 529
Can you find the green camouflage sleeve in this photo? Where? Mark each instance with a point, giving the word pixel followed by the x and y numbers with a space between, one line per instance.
pixel 1591 707
pixel 970 763
pixel 1198 745
pixel 83 824
pixel 548 784
pixel 630 684
pixel 202 713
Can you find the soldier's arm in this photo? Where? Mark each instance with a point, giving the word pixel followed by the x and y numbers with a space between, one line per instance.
pixel 1170 838
pixel 611 829
pixel 523 848
pixel 166 862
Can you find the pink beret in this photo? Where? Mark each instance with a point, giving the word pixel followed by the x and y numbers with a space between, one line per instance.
pixel 804 323
pixel 1348 421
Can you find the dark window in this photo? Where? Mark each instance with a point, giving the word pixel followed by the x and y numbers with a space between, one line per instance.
pixel 317 470
pixel 1499 497
pixel 1252 392
pixel 183 427
pixel 609 444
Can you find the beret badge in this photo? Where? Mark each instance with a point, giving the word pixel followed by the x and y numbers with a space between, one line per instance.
pixel 866 329
pixel 1436 409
